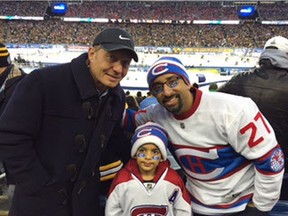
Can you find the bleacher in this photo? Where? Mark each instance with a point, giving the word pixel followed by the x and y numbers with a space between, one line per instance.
pixel 153 31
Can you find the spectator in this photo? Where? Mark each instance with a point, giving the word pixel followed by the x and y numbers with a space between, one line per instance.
pixel 147 185
pixel 267 87
pixel 139 97
pixel 57 124
pixel 229 170
pixel 195 85
pixel 132 103
pixel 213 87
pixel 127 93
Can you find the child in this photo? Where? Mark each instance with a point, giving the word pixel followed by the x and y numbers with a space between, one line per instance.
pixel 147 185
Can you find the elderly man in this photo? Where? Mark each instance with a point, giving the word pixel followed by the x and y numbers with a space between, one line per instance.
pixel 59 122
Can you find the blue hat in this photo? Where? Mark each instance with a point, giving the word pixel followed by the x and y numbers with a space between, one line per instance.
pixel 166 65
pixel 150 133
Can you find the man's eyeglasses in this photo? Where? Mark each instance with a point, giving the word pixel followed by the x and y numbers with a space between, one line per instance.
pixel 157 88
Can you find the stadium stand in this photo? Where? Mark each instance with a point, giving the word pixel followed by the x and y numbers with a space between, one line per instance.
pixel 56 31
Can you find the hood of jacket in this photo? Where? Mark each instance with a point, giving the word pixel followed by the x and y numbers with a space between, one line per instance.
pixel 277 58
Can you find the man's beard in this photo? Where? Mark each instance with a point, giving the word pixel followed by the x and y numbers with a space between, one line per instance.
pixel 176 109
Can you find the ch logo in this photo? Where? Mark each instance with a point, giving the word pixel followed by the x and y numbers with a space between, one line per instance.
pixel 144 132
pixel 191 160
pixel 159 69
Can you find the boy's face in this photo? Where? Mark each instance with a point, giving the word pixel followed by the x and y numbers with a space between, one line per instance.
pixel 148 157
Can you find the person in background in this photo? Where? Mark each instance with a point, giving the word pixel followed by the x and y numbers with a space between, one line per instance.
pixel 132 103
pixel 57 125
pixel 213 87
pixel 149 100
pixel 225 146
pixel 195 85
pixel 147 185
pixel 127 93
pixel 267 86
pixel 10 75
pixel 139 97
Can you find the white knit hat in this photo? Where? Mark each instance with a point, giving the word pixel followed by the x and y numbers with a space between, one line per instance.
pixel 279 42
pixel 150 133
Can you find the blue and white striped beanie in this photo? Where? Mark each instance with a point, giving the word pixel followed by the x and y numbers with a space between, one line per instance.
pixel 165 65
pixel 150 133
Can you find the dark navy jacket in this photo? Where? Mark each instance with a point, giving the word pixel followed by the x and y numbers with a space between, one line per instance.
pixel 51 138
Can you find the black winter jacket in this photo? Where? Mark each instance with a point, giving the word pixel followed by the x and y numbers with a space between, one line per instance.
pixel 52 135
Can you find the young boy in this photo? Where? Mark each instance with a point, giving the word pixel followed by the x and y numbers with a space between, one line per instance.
pixel 147 185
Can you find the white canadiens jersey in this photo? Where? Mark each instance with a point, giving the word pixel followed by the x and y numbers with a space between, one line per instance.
pixel 129 195
pixel 227 150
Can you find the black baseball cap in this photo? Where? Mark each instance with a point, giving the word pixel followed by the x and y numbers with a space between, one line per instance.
pixel 112 39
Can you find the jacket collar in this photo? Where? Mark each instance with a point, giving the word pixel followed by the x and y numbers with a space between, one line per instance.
pixel 277 58
pixel 132 167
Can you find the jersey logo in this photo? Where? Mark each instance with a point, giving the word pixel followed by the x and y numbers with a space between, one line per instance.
pixel 192 163
pixel 277 160
pixel 211 163
pixel 149 210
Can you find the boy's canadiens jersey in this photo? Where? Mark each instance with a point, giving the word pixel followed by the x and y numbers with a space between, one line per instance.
pixel 227 149
pixel 129 195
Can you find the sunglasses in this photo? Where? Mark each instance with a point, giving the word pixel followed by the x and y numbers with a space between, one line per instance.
pixel 157 88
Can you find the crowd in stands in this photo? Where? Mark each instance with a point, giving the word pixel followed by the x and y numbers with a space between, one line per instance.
pixel 127 10
pixel 157 10
pixel 56 31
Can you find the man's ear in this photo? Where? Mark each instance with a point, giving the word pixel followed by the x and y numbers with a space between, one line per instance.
pixel 92 51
